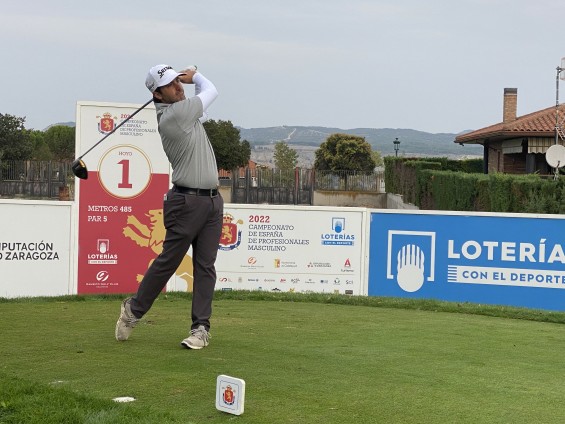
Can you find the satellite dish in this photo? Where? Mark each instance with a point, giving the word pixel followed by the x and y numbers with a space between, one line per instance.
pixel 555 156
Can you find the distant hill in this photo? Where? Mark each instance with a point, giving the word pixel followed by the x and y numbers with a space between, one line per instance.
pixel 65 124
pixel 412 142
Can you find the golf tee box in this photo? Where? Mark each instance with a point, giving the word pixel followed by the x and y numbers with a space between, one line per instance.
pixel 230 394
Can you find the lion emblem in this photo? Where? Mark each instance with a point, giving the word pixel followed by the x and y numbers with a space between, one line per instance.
pixel 152 236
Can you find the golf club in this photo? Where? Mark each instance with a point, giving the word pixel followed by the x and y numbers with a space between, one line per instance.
pixel 79 167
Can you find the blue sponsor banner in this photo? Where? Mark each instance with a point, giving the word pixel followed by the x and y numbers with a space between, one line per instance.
pixel 496 259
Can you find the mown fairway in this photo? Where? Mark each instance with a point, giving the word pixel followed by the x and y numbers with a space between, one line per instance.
pixel 303 362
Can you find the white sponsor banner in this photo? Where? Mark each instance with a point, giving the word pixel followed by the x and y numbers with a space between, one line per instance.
pixel 292 249
pixel 128 156
pixel 35 246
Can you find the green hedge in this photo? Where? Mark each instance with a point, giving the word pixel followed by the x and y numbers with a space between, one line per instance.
pixel 443 184
pixel 448 190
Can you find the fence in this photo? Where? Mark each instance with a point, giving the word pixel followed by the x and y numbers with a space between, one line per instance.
pixel 274 186
pixel 55 180
pixel 296 186
pixel 350 181
pixel 37 179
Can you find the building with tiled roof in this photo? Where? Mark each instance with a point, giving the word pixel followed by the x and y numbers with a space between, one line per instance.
pixel 517 145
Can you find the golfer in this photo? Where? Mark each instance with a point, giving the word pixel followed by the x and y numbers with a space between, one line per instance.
pixel 193 207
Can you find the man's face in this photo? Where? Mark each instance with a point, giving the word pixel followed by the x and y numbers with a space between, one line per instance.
pixel 171 93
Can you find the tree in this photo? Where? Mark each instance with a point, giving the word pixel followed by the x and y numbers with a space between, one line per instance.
pixel 285 157
pixel 41 150
pixel 15 140
pixel 377 158
pixel 61 141
pixel 344 152
pixel 231 152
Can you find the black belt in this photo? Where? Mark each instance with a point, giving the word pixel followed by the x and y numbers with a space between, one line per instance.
pixel 210 192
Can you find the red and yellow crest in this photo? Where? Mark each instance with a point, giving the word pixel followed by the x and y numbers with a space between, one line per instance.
pixel 229 395
pixel 231 234
pixel 106 123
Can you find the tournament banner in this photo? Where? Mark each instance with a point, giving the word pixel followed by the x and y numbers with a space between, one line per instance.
pixel 498 259
pixel 35 248
pixel 292 249
pixel 120 205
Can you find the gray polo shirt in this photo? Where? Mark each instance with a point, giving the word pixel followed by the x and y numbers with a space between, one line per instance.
pixel 186 144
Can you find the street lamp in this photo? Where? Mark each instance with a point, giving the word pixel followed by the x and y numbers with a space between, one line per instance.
pixel 558 129
pixel 555 155
pixel 396 146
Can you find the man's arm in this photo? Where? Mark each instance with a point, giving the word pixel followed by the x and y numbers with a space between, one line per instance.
pixel 204 88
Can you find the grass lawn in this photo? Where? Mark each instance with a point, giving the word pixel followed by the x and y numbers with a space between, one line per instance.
pixel 305 359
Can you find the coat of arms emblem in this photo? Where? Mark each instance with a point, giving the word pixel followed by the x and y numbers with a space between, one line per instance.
pixel 106 123
pixel 229 395
pixel 231 234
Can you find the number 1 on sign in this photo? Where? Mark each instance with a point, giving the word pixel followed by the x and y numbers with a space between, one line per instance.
pixel 125 174
pixel 124 171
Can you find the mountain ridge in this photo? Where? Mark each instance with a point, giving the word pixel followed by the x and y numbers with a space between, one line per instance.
pixel 412 142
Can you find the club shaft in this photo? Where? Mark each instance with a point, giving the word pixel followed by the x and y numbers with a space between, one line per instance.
pixel 115 129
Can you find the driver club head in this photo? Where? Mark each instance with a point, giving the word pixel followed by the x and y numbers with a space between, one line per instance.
pixel 79 169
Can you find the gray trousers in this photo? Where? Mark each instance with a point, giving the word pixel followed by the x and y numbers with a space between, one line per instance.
pixel 189 220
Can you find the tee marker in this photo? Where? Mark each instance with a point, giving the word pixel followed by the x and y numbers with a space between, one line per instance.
pixel 230 394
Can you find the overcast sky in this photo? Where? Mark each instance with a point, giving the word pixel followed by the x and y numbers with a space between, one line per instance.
pixel 435 65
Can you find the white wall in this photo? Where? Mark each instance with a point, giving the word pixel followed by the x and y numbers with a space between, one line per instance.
pixel 37 248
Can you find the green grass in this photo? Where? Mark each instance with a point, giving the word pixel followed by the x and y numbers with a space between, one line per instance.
pixel 305 359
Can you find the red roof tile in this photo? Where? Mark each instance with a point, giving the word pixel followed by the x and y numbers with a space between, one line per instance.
pixel 540 123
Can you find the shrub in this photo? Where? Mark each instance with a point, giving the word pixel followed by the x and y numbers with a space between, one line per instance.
pixel 442 184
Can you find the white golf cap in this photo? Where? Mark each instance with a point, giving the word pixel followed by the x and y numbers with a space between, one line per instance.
pixel 159 76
